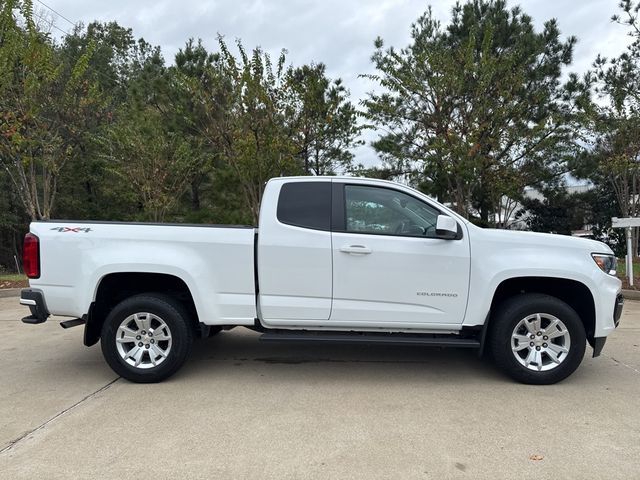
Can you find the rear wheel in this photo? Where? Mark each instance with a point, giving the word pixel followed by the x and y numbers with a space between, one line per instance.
pixel 537 339
pixel 146 338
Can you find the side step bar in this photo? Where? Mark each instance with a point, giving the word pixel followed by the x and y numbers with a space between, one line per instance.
pixel 377 338
pixel 72 323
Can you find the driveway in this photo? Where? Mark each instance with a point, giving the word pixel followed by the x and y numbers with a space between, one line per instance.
pixel 243 409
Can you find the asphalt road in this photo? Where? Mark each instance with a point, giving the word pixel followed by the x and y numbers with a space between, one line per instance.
pixel 243 409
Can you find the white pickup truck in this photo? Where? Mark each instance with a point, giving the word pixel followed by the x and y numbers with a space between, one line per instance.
pixel 333 260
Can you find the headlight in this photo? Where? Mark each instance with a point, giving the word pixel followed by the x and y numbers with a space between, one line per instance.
pixel 607 263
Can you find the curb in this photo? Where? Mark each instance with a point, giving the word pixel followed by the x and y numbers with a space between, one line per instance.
pixel 631 294
pixel 13 292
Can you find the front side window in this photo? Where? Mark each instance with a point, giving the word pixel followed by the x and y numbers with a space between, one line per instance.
pixel 384 211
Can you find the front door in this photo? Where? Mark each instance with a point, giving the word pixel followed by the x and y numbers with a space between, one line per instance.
pixel 389 269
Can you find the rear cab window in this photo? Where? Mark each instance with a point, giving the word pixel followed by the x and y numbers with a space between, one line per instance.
pixel 305 204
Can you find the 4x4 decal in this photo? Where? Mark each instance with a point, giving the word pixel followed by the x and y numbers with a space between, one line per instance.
pixel 71 229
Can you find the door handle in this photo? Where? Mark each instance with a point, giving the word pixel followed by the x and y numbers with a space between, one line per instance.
pixel 355 249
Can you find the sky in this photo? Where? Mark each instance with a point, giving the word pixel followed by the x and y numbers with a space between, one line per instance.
pixel 338 33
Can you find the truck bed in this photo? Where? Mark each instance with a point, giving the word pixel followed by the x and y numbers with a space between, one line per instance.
pixel 215 261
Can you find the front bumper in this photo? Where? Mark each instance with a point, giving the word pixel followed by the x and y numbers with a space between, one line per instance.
pixel 598 342
pixel 34 299
pixel 617 310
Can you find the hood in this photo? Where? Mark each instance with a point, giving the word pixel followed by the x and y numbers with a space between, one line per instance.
pixel 542 239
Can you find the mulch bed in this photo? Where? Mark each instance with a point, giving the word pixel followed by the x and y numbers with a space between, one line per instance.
pixel 14 284
pixel 636 283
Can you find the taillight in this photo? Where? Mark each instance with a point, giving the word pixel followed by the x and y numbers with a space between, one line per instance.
pixel 31 256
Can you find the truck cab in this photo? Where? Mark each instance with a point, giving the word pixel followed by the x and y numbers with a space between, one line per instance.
pixel 351 254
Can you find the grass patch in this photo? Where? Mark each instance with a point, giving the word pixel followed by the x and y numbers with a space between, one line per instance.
pixel 13 280
pixel 12 277
pixel 621 271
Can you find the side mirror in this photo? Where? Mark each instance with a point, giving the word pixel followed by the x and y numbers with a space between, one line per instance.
pixel 446 227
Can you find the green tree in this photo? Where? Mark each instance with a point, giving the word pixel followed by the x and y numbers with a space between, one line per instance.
pixel 148 145
pixel 326 127
pixel 475 111
pixel 612 161
pixel 43 101
pixel 188 116
pixel 12 224
pixel 87 188
pixel 153 160
pixel 248 119
pixel 557 212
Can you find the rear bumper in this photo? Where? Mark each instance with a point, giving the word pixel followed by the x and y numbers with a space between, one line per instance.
pixel 34 299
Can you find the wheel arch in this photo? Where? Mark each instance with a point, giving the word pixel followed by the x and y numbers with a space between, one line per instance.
pixel 574 293
pixel 115 287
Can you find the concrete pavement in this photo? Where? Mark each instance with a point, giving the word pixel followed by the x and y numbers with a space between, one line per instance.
pixel 243 409
pixel 9 292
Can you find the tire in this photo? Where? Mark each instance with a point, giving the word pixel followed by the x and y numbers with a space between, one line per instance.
pixel 130 347
pixel 550 325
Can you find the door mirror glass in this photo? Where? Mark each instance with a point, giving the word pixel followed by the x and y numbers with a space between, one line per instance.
pixel 446 227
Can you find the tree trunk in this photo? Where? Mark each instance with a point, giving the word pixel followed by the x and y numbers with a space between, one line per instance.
pixel 195 195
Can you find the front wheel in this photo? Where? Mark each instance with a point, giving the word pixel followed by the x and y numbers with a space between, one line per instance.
pixel 537 339
pixel 146 338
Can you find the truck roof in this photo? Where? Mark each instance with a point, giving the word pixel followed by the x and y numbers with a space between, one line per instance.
pixel 319 178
